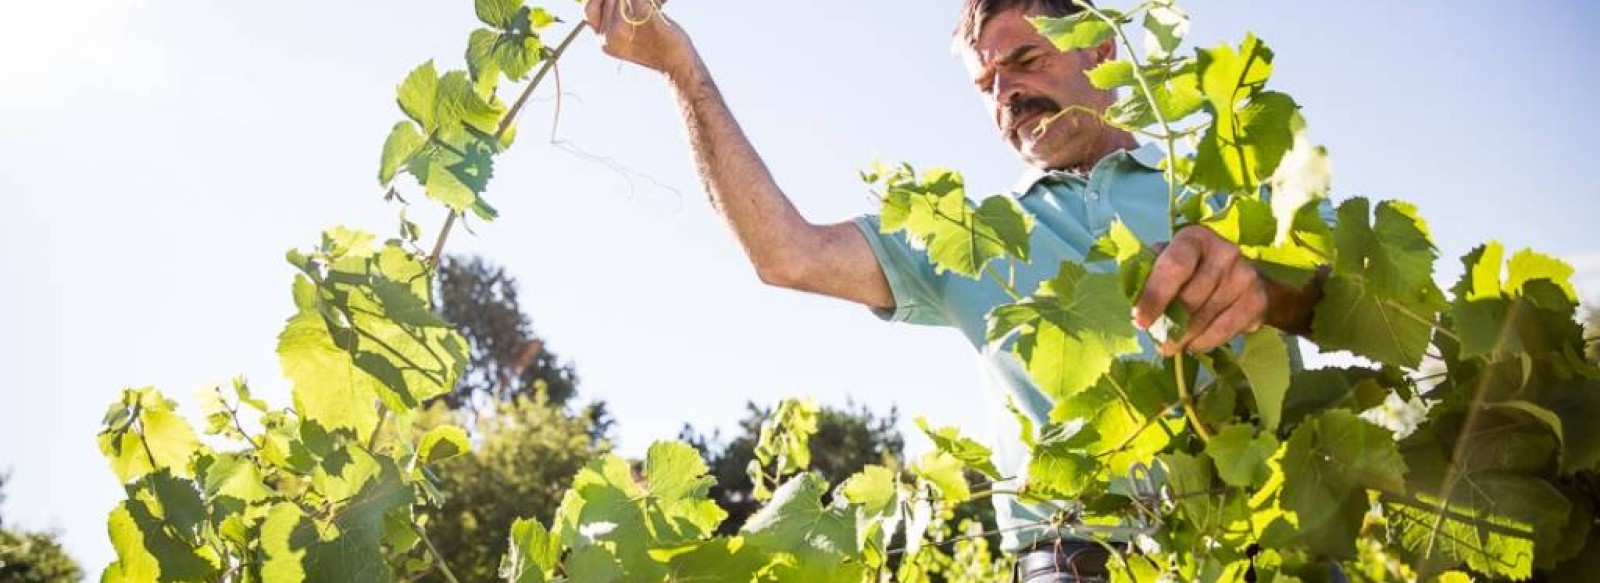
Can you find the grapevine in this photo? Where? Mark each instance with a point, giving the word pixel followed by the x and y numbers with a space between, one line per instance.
pixel 1219 466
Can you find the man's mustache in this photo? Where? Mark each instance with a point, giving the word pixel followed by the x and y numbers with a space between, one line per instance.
pixel 1023 107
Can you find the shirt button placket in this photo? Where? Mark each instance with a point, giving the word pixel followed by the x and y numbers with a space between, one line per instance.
pixel 1099 206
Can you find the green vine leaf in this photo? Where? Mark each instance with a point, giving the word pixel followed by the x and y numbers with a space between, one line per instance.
pixel 936 216
pixel 1071 329
pixel 531 553
pixel 821 539
pixel 365 331
pixel 973 454
pixel 944 472
pixel 1265 362
pixel 404 143
pixel 1381 301
pixel 1495 519
pixel 1330 461
pixel 157 533
pixel 442 443
pixel 1076 32
pixel 1241 455
pixel 1250 128
pixel 144 433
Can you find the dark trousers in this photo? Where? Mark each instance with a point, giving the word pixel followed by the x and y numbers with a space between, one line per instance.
pixel 1084 562
pixel 1063 562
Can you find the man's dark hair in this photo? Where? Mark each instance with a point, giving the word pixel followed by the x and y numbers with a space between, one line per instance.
pixel 976 13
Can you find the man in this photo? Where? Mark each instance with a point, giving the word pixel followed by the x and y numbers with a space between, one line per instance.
pixel 1082 175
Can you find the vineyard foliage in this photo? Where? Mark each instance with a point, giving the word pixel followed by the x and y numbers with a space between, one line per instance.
pixel 1213 466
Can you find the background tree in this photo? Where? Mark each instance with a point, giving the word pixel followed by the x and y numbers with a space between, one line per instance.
pixel 847 440
pixel 524 457
pixel 515 398
pixel 33 557
pixel 507 358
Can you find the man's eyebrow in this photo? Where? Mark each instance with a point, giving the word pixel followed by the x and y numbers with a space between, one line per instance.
pixel 1013 56
pixel 1017 54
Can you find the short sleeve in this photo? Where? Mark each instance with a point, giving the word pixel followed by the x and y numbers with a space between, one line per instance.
pixel 918 291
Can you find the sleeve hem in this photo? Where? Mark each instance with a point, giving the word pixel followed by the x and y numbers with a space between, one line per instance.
pixel 905 308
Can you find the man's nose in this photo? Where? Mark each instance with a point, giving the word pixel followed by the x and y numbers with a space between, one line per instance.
pixel 1006 90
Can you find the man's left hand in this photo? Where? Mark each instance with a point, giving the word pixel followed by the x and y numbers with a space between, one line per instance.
pixel 1223 292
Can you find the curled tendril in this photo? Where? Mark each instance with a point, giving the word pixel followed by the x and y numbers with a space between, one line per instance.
pixel 623 10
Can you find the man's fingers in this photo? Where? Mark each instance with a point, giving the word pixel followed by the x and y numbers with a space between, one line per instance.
pixel 594 13
pixel 1231 323
pixel 1244 316
pixel 1205 281
pixel 1169 274
pixel 1235 285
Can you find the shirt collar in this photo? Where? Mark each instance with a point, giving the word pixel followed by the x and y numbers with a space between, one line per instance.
pixel 1148 155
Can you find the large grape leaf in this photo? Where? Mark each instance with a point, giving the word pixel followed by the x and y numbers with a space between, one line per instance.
pixel 822 539
pixel 1189 479
pixel 1241 455
pixel 678 494
pixel 946 473
pixel 143 433
pixel 450 148
pixel 875 492
pixel 1060 466
pixel 949 440
pixel 1494 517
pixel 1329 462
pixel 344 543
pixel 1380 302
pixel 156 533
pixel 1072 329
pixel 606 508
pixel 1567 410
pixel 365 330
pixel 1531 312
pixel 1076 31
pixel 531 553
pixel 1127 410
pixel 1265 362
pixel 1251 129
pixel 958 236
pixel 719 560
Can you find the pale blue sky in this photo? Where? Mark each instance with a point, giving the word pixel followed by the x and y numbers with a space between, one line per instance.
pixel 160 156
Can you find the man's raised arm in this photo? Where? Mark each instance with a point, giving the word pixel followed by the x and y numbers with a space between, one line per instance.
pixel 785 248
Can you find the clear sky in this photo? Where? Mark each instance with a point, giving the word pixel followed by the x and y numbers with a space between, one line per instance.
pixel 161 155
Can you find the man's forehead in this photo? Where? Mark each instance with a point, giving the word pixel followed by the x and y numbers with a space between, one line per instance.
pixel 1006 35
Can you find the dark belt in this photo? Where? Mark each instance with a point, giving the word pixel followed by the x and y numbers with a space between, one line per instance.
pixel 1061 561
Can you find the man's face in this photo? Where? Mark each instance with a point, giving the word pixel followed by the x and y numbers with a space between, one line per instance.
pixel 1024 80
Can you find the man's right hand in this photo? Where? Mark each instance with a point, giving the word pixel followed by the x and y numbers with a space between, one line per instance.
pixel 639 32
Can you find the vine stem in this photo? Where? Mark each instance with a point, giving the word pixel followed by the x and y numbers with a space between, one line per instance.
pixel 1188 401
pixel 505 126
pixel 1167 135
pixel 377 430
pixel 1170 138
pixel 1404 311
pixel 438 557
pixel 233 412
pixel 1005 284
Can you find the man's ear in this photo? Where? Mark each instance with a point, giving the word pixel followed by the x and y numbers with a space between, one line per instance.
pixel 1107 51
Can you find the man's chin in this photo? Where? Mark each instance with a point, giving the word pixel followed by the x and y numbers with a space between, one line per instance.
pixel 1041 158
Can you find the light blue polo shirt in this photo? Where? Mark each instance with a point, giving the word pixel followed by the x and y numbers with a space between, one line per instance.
pixel 1071 212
